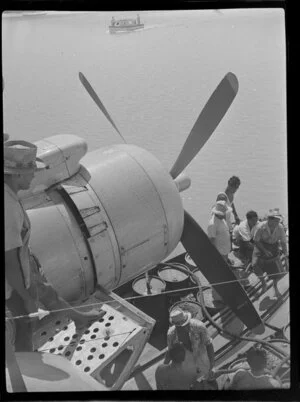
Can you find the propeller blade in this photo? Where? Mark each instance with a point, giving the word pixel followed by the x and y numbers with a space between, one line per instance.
pixel 98 102
pixel 207 122
pixel 215 269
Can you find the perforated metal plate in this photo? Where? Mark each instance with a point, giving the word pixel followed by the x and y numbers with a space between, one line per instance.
pixel 90 348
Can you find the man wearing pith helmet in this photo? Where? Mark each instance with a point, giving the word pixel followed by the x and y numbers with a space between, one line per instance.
pixel 25 286
pixel 269 238
pixel 192 333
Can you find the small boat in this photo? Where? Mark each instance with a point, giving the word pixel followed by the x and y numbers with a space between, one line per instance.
pixel 125 25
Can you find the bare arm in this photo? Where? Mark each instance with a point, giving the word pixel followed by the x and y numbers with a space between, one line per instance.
pixel 235 380
pixel 211 354
pixel 261 248
pixel 237 219
pixel 213 241
pixel 14 276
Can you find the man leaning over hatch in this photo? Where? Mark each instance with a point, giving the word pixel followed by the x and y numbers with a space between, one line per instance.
pixel 25 285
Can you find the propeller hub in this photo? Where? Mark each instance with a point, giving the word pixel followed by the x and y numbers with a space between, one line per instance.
pixel 182 182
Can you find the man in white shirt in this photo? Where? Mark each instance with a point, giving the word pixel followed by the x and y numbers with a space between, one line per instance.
pixel 218 231
pixel 229 217
pixel 243 235
pixel 232 186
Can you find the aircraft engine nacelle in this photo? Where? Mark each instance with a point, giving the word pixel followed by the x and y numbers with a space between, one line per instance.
pixel 122 221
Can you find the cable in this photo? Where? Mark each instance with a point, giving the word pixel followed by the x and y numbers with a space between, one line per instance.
pixel 141 296
pixel 234 336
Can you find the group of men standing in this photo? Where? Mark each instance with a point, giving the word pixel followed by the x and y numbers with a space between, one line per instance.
pixel 260 242
pixel 190 354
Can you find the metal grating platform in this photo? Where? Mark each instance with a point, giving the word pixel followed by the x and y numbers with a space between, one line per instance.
pixel 107 349
pixel 94 345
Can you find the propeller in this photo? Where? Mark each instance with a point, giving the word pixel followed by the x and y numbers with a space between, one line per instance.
pixel 98 102
pixel 216 270
pixel 193 238
pixel 207 122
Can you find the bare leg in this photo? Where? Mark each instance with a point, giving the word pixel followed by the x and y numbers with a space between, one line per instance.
pixel 260 274
pixel 276 290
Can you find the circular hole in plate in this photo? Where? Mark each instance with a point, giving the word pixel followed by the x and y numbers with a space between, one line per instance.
pixel 79 348
pixel 93 336
pixel 82 341
pixel 65 328
pixel 108 324
pixel 50 339
pixel 87 369
pixel 101 320
pixel 111 317
pixel 106 338
pixel 58 322
pixel 90 357
pixel 74 336
pixel 52 350
pixel 60 347
pixel 115 344
pixel 78 362
pixel 43 333
pixel 87 331
pixel 93 350
pixel 96 330
pixel 104 345
pixel 66 338
pixel 67 353
pixel 101 356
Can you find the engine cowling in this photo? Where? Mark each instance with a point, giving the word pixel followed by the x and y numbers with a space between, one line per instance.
pixel 123 221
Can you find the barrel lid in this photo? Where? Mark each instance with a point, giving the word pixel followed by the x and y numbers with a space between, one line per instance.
pixel 173 274
pixel 201 277
pixel 157 285
pixel 189 260
pixel 287 331
pixel 210 300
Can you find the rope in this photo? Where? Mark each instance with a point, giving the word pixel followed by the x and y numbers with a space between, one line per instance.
pixel 141 296
pixel 234 336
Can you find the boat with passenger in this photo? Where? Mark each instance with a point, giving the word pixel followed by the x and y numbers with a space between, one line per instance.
pixel 125 25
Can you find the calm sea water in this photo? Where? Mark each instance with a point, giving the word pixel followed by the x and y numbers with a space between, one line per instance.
pixel 154 83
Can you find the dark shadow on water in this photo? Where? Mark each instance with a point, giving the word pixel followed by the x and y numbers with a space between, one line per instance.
pixel 113 370
pixel 158 338
pixel 33 365
pixel 267 302
pixel 142 382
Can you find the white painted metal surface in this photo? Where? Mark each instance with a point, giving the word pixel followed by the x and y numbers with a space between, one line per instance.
pixel 124 221
pixel 59 243
pixel 142 203
pixel 61 153
pixel 107 349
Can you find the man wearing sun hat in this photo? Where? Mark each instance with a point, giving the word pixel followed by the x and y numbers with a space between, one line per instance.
pixel 269 236
pixel 25 286
pixel 192 333
pixel 218 230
